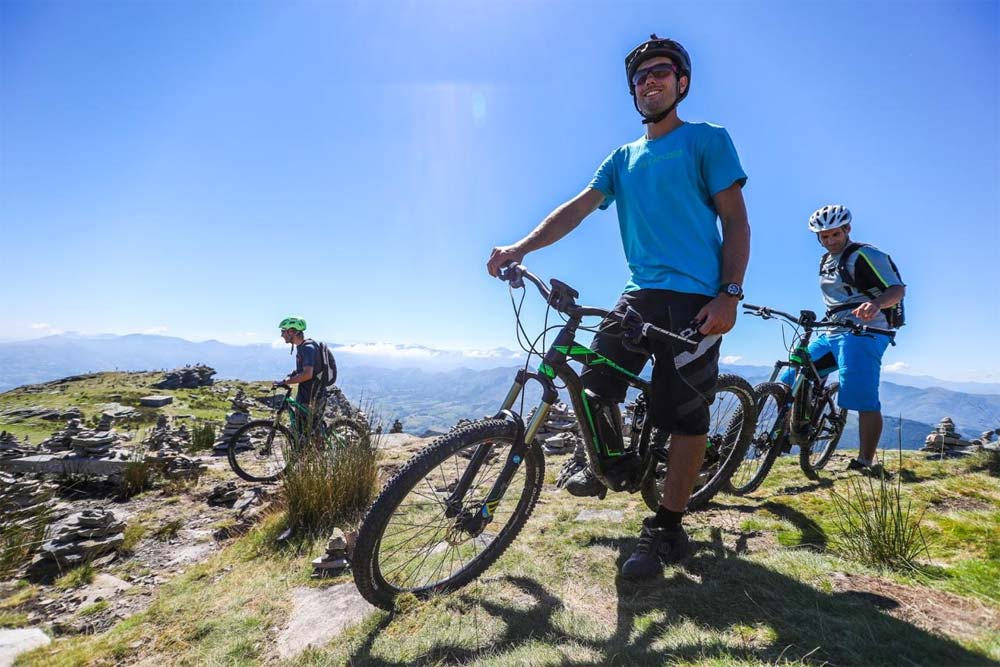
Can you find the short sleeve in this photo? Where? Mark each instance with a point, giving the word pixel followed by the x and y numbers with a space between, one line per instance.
pixel 878 267
pixel 308 356
pixel 604 181
pixel 720 164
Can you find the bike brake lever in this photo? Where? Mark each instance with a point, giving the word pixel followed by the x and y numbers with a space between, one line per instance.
pixel 632 333
pixel 512 274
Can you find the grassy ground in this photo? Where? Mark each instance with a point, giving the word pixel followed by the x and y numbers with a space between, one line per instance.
pixel 90 392
pixel 765 586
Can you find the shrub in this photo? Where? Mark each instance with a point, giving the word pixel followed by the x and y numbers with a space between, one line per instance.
pixel 22 532
pixel 327 485
pixel 202 437
pixel 137 476
pixel 877 526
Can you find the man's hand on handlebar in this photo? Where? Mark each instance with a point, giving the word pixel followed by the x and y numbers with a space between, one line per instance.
pixel 867 311
pixel 501 255
pixel 718 316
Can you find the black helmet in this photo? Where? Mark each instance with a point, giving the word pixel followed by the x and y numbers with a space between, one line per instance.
pixel 652 48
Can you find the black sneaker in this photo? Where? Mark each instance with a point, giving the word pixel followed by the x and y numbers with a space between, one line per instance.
pixel 585 484
pixel 857 465
pixel 657 547
pixel 875 470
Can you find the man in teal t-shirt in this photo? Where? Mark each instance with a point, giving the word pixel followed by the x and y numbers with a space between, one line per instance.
pixel 671 187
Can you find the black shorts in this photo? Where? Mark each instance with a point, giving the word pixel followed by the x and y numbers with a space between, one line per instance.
pixel 683 382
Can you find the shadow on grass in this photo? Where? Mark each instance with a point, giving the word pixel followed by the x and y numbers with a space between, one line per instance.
pixel 812 534
pixel 719 593
pixel 821 483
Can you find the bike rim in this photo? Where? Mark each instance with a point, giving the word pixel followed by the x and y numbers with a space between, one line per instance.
pixel 422 548
pixel 262 451
pixel 761 444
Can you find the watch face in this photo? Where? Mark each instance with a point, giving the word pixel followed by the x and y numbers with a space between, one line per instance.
pixel 733 289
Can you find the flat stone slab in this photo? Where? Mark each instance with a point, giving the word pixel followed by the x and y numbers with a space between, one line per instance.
pixel 608 516
pixel 319 615
pixel 68 465
pixel 156 401
pixel 103 587
pixel 15 642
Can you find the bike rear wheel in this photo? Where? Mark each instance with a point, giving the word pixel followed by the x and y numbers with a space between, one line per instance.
pixel 346 431
pixel 259 451
pixel 407 542
pixel 829 427
pixel 732 418
pixel 768 438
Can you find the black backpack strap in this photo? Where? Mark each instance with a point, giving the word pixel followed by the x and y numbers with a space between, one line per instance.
pixel 845 275
pixel 822 261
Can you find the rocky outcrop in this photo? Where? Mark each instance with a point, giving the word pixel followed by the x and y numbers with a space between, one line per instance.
pixel 189 377
pixel 86 536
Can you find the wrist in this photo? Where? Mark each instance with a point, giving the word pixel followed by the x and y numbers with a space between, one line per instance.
pixel 732 291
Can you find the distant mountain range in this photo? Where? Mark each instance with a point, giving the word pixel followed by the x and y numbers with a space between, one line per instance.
pixel 429 388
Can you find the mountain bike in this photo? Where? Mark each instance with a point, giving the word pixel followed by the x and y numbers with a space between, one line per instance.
pixel 260 450
pixel 454 508
pixel 805 414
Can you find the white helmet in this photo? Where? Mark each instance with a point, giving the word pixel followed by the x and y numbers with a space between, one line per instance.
pixel 829 217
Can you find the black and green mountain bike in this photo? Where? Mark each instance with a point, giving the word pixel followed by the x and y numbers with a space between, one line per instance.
pixel 261 449
pixel 804 415
pixel 457 505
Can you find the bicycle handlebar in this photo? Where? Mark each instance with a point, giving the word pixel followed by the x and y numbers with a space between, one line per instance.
pixel 562 297
pixel 807 319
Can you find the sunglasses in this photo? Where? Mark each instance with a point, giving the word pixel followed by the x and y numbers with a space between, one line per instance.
pixel 661 71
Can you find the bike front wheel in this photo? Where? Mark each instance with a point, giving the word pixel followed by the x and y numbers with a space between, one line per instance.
pixel 346 431
pixel 768 438
pixel 732 416
pixel 413 540
pixel 829 427
pixel 259 451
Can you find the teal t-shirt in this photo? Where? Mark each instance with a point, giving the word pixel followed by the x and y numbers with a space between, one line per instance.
pixel 663 189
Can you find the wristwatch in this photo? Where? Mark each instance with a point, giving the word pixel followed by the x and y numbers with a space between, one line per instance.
pixel 734 290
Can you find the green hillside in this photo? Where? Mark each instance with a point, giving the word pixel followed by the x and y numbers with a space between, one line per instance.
pixel 768 584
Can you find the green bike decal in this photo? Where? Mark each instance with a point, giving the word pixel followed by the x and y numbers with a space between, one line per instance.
pixel 547 370
pixel 591 358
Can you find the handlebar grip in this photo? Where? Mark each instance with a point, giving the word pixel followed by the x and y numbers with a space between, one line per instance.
pixel 875 330
pixel 664 336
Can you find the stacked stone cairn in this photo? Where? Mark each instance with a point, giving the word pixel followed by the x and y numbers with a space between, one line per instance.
pixel 989 440
pixel 335 560
pixel 61 441
pixel 9 447
pixel 945 441
pixel 86 536
pixel 164 447
pixel 235 420
pixel 559 433
pixel 95 443
pixel 189 377
pixel 397 427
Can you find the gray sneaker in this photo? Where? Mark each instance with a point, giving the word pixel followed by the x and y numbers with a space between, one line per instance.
pixel 657 547
pixel 585 484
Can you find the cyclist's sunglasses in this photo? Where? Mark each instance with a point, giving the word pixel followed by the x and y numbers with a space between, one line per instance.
pixel 661 71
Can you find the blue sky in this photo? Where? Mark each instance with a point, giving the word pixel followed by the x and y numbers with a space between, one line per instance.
pixel 202 169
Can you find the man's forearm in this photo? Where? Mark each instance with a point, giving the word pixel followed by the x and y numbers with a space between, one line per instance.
pixel 735 250
pixel 890 297
pixel 556 225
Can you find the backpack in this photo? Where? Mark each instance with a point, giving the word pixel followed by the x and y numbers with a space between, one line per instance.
pixel 895 316
pixel 325 373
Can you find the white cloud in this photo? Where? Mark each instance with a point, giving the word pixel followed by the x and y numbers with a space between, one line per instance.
pixel 386 350
pixel 731 358
pixel 40 325
pixel 897 367
pixel 153 331
pixel 278 343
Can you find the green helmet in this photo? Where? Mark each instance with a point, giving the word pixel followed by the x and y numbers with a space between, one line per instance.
pixel 296 323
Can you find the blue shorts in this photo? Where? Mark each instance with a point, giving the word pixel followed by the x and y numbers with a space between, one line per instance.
pixel 859 362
